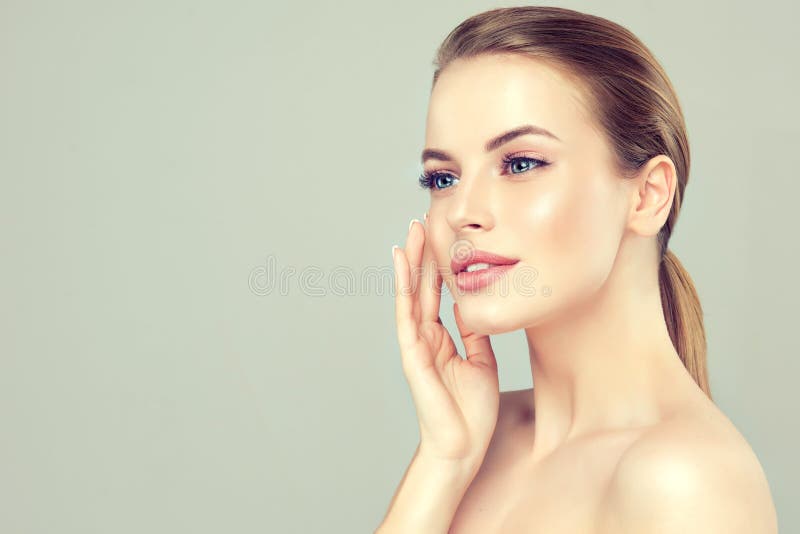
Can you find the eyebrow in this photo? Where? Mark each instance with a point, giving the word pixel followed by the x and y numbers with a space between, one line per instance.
pixel 493 143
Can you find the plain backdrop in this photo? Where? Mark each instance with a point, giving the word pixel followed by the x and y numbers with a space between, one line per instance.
pixel 190 190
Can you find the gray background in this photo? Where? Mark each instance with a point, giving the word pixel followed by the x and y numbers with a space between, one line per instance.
pixel 155 157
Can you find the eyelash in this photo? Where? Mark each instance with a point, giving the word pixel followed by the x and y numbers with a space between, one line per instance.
pixel 428 180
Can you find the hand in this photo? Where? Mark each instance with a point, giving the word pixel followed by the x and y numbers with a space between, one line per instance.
pixel 456 400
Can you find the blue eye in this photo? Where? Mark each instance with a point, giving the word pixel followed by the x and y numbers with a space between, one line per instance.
pixel 436 180
pixel 512 161
pixel 442 180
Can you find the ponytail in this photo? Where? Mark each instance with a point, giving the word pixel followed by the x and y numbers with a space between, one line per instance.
pixel 684 318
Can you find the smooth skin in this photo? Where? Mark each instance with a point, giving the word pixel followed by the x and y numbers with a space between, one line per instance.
pixel 615 437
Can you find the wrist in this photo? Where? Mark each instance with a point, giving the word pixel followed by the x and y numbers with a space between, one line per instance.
pixel 429 494
pixel 465 465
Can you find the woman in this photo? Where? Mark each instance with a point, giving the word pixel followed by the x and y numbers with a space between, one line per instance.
pixel 557 159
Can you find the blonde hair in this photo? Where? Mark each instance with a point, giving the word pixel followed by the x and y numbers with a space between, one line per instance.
pixel 635 104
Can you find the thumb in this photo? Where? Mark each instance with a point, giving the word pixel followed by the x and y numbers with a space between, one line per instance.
pixel 479 348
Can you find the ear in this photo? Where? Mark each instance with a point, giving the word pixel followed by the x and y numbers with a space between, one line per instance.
pixel 652 196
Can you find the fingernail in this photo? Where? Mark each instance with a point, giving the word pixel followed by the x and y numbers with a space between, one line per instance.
pixel 426 217
pixel 412 223
pixel 393 249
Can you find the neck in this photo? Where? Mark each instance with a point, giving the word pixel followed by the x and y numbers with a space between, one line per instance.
pixel 606 364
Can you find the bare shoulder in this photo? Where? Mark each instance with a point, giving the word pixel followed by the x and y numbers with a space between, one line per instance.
pixel 692 473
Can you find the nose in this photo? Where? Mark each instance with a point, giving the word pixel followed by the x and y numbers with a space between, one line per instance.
pixel 469 208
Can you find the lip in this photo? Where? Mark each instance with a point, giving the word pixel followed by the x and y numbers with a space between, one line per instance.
pixel 479 256
pixel 473 281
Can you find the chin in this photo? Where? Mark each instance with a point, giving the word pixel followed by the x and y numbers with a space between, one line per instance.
pixel 490 314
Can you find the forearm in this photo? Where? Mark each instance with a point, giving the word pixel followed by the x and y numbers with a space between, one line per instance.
pixel 428 496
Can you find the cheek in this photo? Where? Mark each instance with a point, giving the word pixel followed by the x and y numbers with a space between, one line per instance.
pixel 439 239
pixel 570 237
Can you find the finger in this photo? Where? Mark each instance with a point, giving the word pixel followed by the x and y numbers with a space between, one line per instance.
pixel 406 324
pixel 430 291
pixel 478 347
pixel 413 252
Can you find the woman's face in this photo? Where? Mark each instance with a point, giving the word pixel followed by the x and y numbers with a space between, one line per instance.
pixel 562 220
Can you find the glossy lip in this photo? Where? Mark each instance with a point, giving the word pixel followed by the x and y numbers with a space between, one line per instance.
pixel 479 279
pixel 479 256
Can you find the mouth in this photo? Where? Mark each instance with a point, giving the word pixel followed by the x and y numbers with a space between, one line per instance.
pixel 479 260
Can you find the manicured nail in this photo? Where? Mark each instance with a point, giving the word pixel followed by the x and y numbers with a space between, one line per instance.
pixel 394 247
pixel 426 217
pixel 410 224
